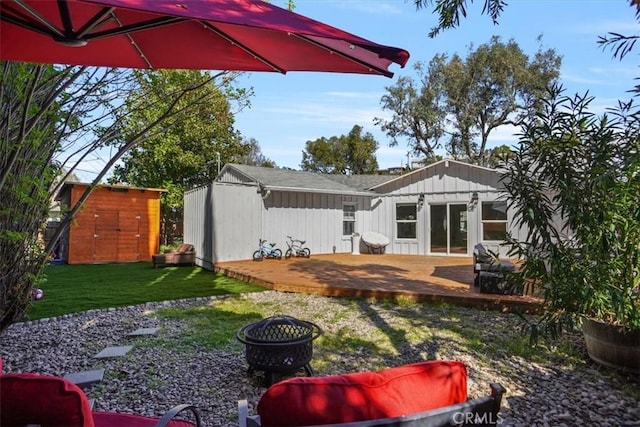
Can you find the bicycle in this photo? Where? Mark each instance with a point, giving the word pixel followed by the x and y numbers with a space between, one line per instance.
pixel 295 248
pixel 266 251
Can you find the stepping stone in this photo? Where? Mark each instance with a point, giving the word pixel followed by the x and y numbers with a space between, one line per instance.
pixel 85 378
pixel 144 331
pixel 113 352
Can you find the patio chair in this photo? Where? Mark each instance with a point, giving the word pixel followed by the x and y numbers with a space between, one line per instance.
pixel 424 394
pixel 485 261
pixel 45 400
pixel 489 271
pixel 375 242
pixel 185 254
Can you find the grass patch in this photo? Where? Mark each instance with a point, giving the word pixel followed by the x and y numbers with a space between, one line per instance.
pixel 74 288
pixel 343 343
pixel 352 342
pixel 213 326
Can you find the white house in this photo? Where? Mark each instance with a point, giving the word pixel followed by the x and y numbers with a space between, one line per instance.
pixel 441 209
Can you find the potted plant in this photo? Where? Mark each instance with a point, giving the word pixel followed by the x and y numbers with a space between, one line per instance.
pixel 574 188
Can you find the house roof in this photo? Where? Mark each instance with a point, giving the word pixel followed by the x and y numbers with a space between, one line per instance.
pixel 292 180
pixel 313 182
pixel 433 165
pixel 362 182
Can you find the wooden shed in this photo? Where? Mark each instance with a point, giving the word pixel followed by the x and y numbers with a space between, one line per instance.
pixel 115 224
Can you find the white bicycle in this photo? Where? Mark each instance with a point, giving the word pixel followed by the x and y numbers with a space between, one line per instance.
pixel 296 248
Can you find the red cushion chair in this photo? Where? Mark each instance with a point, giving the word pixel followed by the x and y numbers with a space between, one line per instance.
pixel 51 401
pixel 429 393
pixel 364 395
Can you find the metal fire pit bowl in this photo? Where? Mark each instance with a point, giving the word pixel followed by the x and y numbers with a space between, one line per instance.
pixel 279 345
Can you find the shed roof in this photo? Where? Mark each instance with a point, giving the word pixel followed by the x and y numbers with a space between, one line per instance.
pixel 114 187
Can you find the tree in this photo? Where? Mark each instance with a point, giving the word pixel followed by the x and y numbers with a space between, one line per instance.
pixel 419 111
pixel 449 12
pixel 26 174
pixel 353 153
pixel 186 153
pixel 51 118
pixel 500 155
pixel 253 155
pixel 574 186
pixel 467 99
pixel 45 111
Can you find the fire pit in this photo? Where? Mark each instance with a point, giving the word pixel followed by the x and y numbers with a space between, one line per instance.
pixel 279 345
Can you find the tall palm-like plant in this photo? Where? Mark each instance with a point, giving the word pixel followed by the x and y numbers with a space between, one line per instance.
pixel 574 185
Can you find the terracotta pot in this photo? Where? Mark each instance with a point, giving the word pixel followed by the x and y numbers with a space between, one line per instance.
pixel 612 346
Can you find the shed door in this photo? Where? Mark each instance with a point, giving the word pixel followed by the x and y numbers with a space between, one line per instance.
pixel 128 237
pixel 448 229
pixel 105 238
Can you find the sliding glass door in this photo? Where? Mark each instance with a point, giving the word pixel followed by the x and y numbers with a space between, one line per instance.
pixel 448 229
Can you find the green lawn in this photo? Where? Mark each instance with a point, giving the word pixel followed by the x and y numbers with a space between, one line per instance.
pixel 74 288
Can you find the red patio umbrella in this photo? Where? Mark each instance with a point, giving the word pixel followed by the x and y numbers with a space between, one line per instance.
pixel 241 35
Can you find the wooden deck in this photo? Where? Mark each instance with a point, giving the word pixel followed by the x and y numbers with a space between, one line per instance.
pixel 422 278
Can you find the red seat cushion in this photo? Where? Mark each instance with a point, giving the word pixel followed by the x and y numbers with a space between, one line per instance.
pixel 42 399
pixel 364 396
pixel 55 402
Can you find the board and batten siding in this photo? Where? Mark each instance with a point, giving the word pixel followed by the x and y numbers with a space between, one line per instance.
pixel 444 183
pixel 222 221
pixel 315 218
pixel 233 176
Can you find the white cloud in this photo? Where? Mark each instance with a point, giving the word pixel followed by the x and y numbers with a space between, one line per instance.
pixel 356 95
pixel 503 135
pixel 391 156
pixel 602 27
pixel 602 76
pixel 327 114
pixel 615 71
pixel 371 7
pixel 573 78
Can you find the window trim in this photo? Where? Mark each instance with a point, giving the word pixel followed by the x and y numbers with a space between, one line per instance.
pixel 405 221
pixel 346 219
pixel 492 221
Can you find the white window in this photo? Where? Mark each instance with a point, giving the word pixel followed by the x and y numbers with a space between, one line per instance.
pixel 348 219
pixel 494 220
pixel 406 220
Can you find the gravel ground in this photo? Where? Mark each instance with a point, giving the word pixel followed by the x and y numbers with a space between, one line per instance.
pixel 159 373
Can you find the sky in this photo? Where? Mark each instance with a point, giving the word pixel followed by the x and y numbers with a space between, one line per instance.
pixel 289 110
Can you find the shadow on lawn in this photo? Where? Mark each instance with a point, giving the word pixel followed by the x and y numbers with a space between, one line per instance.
pixel 488 341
